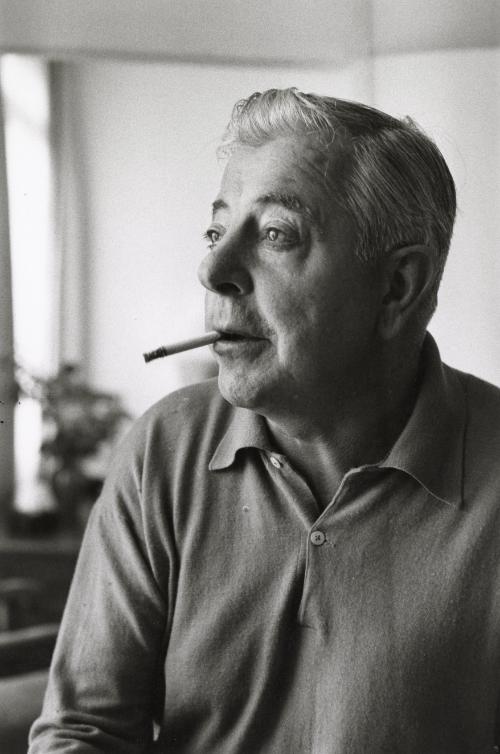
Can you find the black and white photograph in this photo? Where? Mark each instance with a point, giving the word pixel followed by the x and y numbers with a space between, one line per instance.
pixel 249 377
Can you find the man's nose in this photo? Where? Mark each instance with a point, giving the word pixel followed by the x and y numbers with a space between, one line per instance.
pixel 224 270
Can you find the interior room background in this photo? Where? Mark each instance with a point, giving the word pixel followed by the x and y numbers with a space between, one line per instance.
pixel 113 110
pixel 138 97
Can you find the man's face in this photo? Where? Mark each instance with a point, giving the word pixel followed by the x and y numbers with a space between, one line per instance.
pixel 283 282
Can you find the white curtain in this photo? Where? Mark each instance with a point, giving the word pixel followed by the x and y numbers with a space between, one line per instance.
pixel 7 393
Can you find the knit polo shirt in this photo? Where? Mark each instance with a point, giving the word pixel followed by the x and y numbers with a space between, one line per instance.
pixel 216 608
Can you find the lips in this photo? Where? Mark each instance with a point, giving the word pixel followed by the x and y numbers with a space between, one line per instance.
pixel 235 342
pixel 236 335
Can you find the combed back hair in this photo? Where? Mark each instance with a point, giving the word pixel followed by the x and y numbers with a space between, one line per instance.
pixel 395 183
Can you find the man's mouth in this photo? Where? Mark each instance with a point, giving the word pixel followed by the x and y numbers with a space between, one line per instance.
pixel 235 336
pixel 231 339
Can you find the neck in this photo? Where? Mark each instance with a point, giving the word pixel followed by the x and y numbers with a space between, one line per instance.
pixel 332 434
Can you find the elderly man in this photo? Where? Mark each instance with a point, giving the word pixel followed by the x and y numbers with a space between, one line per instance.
pixel 304 556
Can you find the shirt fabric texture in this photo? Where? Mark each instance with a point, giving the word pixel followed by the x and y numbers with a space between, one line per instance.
pixel 213 596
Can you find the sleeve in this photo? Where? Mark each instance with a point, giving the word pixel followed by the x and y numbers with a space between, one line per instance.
pixel 106 677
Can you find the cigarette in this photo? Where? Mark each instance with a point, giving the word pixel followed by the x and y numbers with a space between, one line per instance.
pixel 184 345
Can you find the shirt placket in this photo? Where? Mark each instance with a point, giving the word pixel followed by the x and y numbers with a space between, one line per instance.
pixel 317 530
pixel 320 556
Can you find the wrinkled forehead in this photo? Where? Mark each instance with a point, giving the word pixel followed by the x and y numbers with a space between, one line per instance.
pixel 297 165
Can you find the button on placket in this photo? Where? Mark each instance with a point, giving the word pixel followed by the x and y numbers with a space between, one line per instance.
pixel 317 537
pixel 311 608
pixel 276 462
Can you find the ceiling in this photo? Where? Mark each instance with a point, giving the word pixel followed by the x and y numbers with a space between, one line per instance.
pixel 240 32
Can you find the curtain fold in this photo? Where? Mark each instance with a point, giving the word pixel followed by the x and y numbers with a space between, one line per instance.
pixel 70 216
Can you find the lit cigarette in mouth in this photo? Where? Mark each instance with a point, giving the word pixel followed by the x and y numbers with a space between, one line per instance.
pixel 184 345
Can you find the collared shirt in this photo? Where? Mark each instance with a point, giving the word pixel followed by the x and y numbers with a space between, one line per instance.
pixel 214 596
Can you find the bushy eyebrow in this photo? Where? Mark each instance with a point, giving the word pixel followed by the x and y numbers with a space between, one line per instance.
pixel 289 201
pixel 218 204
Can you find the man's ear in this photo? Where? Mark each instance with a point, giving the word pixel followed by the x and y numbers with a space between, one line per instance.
pixel 408 273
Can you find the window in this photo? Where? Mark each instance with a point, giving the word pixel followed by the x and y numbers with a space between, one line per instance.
pixel 26 100
pixel 25 90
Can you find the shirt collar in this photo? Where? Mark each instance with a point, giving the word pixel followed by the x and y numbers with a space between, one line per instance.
pixel 246 430
pixel 430 447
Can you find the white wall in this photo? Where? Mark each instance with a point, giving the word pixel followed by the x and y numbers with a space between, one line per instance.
pixel 455 96
pixel 147 138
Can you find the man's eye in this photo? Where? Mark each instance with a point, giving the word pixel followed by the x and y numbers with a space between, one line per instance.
pixel 212 236
pixel 280 237
pixel 273 234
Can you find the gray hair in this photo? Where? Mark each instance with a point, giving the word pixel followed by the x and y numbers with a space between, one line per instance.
pixel 396 185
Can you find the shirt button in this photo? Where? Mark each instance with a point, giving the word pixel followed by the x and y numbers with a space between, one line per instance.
pixel 276 462
pixel 317 538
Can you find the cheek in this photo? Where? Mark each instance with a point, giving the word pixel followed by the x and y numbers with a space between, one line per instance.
pixel 297 328
pixel 341 316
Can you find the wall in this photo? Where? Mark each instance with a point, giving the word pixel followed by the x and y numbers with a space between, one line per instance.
pixel 455 95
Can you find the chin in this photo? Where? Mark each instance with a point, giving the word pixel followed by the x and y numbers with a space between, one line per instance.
pixel 242 389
